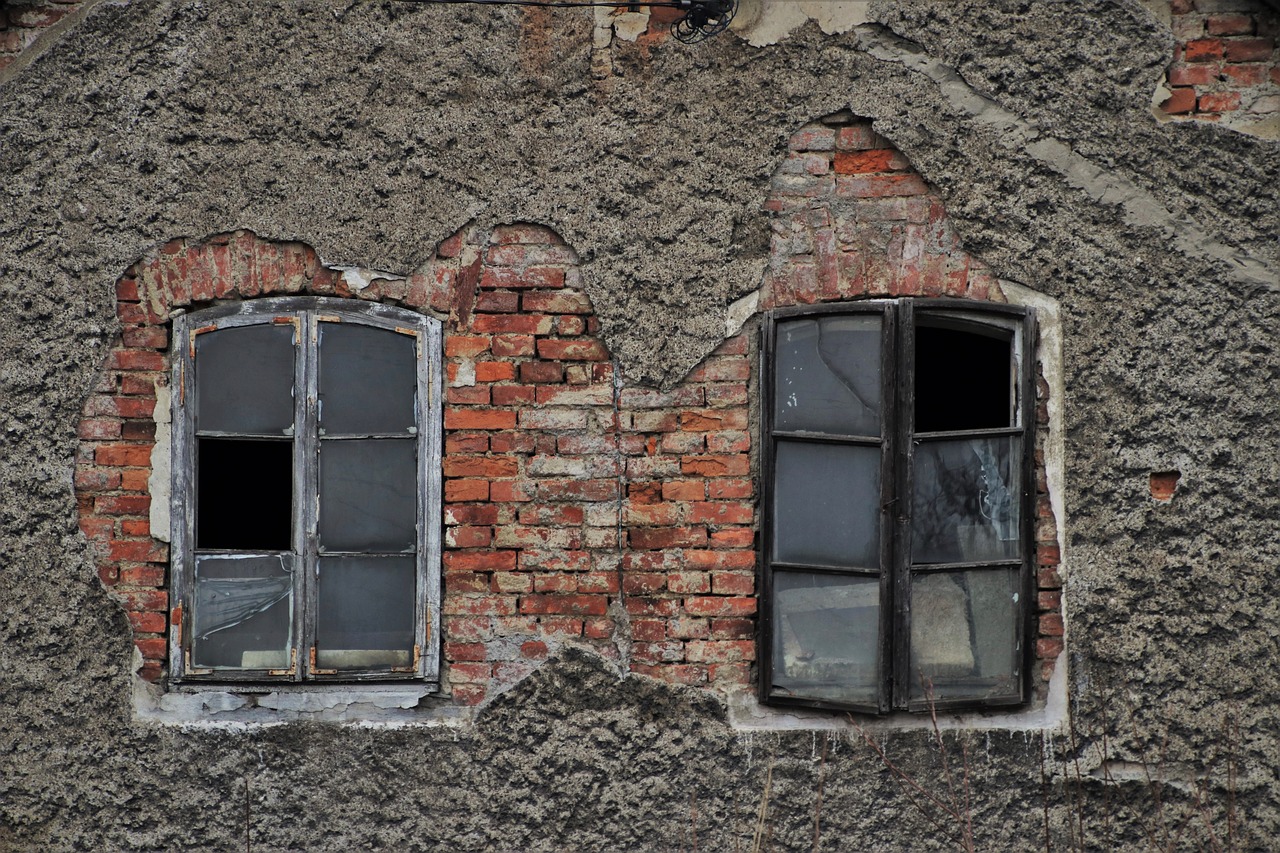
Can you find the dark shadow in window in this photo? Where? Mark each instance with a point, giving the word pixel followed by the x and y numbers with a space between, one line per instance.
pixel 244 494
pixel 964 379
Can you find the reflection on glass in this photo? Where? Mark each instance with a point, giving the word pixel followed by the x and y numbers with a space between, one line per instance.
pixel 242 616
pixel 966 502
pixel 368 495
pixel 825 642
pixel 244 380
pixel 828 375
pixel 826 505
pixel 964 635
pixel 368 380
pixel 365 615
pixel 244 494
pixel 981 396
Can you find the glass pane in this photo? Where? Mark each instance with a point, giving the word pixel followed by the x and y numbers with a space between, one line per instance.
pixel 365 616
pixel 244 380
pixel 826 505
pixel 964 377
pixel 965 636
pixel 368 495
pixel 967 502
pixel 244 494
pixel 826 636
pixel 368 380
pixel 828 375
pixel 242 613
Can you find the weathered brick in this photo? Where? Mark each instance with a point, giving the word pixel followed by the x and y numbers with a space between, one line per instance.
pixel 479 561
pixel 479 419
pixel 572 350
pixel 572 605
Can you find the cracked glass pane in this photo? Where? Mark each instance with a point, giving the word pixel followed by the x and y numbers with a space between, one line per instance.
pixel 965 640
pixel 826 637
pixel 827 375
pixel 368 495
pixel 966 500
pixel 368 380
pixel 365 612
pixel 826 505
pixel 244 380
pixel 242 613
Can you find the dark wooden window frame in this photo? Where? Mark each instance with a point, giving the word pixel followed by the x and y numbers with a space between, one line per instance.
pixel 305 313
pixel 900 318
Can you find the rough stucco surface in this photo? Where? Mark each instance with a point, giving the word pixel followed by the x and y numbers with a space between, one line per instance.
pixel 375 132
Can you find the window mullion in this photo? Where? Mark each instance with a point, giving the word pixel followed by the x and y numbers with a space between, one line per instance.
pixel 306 486
pixel 903 414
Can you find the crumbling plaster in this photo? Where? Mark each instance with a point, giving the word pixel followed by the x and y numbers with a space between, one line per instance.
pixel 374 130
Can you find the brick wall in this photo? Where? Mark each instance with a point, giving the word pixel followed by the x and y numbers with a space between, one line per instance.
pixel 1226 65
pixel 575 508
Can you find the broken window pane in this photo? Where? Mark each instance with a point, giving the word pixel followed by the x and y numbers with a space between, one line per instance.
pixel 966 506
pixel 826 505
pixel 825 637
pixel 965 638
pixel 242 613
pixel 828 375
pixel 368 380
pixel 244 494
pixel 365 616
pixel 244 380
pixel 368 495
pixel 964 377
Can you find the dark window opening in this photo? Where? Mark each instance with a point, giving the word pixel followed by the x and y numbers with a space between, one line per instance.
pixel 244 494
pixel 963 379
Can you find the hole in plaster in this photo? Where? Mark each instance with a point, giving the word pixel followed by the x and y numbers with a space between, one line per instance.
pixel 1164 484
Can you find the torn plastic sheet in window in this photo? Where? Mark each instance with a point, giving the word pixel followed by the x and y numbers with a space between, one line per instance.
pixel 226 602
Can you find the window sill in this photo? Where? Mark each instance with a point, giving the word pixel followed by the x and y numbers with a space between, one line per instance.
pixel 747 714
pixel 241 705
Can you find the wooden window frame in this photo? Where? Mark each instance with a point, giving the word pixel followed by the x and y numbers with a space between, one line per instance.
pixel 305 313
pixel 899 320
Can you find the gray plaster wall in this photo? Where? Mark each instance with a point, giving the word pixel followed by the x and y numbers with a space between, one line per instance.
pixel 374 131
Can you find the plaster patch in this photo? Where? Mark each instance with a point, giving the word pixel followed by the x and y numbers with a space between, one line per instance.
pixel 765 22
pixel 740 312
pixel 161 472
pixel 358 278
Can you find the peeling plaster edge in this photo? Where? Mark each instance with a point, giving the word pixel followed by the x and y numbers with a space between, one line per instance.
pixel 49 36
pixel 1140 207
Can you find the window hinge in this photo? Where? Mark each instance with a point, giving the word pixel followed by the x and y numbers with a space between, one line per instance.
pixel 417 656
pixel 315 670
pixel 212 327
pixel 191 670
pixel 293 664
pixel 296 322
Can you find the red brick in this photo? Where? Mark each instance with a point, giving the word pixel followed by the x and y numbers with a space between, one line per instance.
pixel 655 538
pixel 466 490
pixel 513 324
pixel 1217 102
pixel 466 346
pixel 1192 75
pixel 146 599
pixel 477 419
pixel 135 407
pixel 587 490
pixel 498 301
pixel 723 560
pixel 729 489
pixel 1249 50
pixel 1048 647
pixel 466 442
pixel 480 466
pixel 480 561
pixel 720 606
pixel 813 139
pixel 684 490
pixel 1246 75
pixel 572 605
pixel 862 162
pixel 148 622
pixel 721 512
pixel 468 537
pixel 1202 50
pixel 145 575
pixel 732 629
pixel 879 186
pixel 468 694
pixel 153 649
pixel 138 551
pixel 513 345
pixel 94 480
pixel 479 605
pixel 465 651
pixel 675 673
pixel 470 671
pixel 1229 25
pixel 1048 555
pixel 577 350
pixel 542 371
pixel 473 395
pixel 470 514
pixel 136 360
pixel 733 583
pixel 514 277
pixel 122 504
pixel 1179 101
pixel 716 465
pixel 720 651
pixel 513 395
pixel 1051 625
pixel 508 491
pixel 134 479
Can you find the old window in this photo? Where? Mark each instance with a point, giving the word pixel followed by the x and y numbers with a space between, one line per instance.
pixel 898 484
pixel 306 492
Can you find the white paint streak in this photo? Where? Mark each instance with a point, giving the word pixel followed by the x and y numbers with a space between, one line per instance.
pixel 161 473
